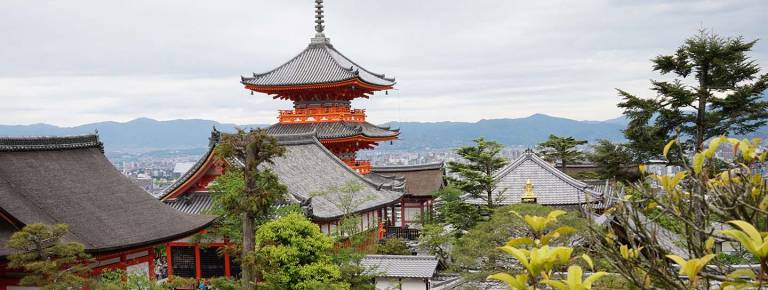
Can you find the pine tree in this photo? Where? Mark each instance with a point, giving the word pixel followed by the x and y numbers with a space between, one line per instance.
pixel 48 263
pixel 716 91
pixel 476 174
pixel 562 149
pixel 262 187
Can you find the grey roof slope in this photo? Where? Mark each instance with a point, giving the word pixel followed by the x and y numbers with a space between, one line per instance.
pixel 416 180
pixel 63 180
pixel 327 130
pixel 308 169
pixel 319 63
pixel 400 266
pixel 551 186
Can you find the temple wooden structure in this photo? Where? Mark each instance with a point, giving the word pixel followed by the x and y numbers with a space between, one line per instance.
pixel 322 82
pixel 68 180
pixel 322 135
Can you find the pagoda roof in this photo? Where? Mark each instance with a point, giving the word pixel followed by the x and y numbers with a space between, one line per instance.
pixel 68 180
pixel 334 130
pixel 307 168
pixel 320 63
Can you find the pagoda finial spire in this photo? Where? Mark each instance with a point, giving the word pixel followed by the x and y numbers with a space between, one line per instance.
pixel 319 27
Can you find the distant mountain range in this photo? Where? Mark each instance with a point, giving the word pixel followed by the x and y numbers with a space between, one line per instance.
pixel 147 135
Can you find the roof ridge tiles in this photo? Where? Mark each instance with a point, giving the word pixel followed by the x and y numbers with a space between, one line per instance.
pixel 43 143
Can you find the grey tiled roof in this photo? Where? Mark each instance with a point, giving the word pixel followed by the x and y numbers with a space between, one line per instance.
pixel 400 266
pixel 8 144
pixel 191 203
pixel 329 130
pixel 319 63
pixel 551 186
pixel 307 169
pixel 76 185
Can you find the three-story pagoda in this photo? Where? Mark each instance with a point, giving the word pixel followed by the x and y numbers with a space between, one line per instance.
pixel 321 82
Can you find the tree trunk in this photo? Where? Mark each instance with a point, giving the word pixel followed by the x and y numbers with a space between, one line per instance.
pixel 248 245
pixel 249 239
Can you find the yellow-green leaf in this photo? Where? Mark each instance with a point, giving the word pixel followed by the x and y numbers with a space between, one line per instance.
pixel 698 163
pixel 668 146
pixel 588 260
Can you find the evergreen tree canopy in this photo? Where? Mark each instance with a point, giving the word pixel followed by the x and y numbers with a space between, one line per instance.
pixel 49 263
pixel 716 90
pixel 260 187
pixel 476 174
pixel 562 149
pixel 614 161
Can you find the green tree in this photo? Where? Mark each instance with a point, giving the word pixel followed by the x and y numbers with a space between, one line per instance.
pixel 562 149
pixel 453 211
pixel 292 253
pixel 614 161
pixel 476 170
pixel 393 246
pixel 348 198
pixel 716 91
pixel 261 187
pixel 48 262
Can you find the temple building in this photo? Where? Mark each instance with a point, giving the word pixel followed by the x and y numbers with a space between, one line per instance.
pixel 531 179
pixel 68 180
pixel 322 135
pixel 321 82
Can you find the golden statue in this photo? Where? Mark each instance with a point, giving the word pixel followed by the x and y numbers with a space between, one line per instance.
pixel 528 195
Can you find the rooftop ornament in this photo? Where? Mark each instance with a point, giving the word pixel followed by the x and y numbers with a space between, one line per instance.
pixel 528 195
pixel 319 26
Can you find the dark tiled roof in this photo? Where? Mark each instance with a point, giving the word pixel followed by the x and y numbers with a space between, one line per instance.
pixel 330 130
pixel 551 186
pixel 419 180
pixel 400 266
pixel 319 63
pixel 8 144
pixel 79 187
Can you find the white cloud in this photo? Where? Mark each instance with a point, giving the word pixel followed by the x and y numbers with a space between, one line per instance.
pixel 78 61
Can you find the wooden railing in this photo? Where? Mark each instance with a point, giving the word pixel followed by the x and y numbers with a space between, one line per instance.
pixel 361 166
pixel 323 114
pixel 408 234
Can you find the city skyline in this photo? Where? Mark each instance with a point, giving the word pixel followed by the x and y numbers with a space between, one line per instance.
pixel 453 62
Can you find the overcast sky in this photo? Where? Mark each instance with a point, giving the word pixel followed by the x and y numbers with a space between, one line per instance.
pixel 76 61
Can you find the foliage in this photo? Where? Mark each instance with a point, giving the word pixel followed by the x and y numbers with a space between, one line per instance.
pixel 613 161
pixel 476 174
pixel 562 149
pixel 476 251
pixel 393 246
pixel 716 91
pixel 692 202
pixel 116 279
pixel 453 211
pixel 292 253
pixel 436 240
pixel 260 187
pixel 539 260
pixel 48 262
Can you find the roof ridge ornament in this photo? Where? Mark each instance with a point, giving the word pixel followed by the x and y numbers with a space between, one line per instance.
pixel 319 26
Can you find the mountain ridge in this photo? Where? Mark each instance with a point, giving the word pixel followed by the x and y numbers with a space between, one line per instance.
pixel 145 134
